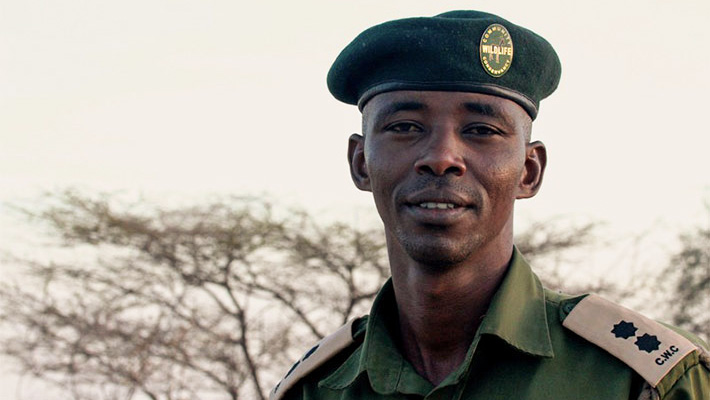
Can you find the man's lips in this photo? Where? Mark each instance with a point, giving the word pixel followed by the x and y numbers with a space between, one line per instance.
pixel 438 201
pixel 438 207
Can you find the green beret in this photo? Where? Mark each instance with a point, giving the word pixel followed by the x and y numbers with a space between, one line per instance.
pixel 462 51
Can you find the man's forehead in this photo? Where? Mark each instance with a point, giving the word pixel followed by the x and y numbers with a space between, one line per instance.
pixel 392 102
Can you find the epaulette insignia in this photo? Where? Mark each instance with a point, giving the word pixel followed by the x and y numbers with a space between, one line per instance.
pixel 646 346
pixel 314 358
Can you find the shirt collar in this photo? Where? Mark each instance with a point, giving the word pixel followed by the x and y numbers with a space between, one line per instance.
pixel 516 314
pixel 379 355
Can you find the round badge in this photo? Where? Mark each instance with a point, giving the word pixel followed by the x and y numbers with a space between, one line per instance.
pixel 496 50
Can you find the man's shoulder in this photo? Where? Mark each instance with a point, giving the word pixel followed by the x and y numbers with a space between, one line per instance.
pixel 327 349
pixel 661 354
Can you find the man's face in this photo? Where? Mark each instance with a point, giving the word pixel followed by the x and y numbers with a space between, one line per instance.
pixel 445 169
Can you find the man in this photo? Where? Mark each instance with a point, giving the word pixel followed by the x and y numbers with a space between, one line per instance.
pixel 447 108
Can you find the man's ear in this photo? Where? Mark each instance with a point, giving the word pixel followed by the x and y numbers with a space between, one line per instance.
pixel 358 165
pixel 535 162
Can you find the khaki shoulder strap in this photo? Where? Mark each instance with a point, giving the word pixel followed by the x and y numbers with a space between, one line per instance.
pixel 649 348
pixel 324 350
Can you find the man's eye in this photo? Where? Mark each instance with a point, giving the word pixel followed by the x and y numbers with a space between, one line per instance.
pixel 481 131
pixel 403 127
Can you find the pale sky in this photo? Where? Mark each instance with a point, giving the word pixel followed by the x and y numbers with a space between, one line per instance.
pixel 187 99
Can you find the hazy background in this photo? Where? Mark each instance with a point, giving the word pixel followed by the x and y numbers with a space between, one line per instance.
pixel 181 100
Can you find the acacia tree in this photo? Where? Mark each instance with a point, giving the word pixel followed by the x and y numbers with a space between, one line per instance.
pixel 210 301
pixel 183 303
pixel 689 270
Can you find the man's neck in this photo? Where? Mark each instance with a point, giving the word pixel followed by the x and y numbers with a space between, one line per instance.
pixel 440 312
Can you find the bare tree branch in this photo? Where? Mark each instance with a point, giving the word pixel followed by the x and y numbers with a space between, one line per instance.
pixel 210 301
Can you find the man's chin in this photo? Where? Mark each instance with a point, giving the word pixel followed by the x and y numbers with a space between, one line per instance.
pixel 437 253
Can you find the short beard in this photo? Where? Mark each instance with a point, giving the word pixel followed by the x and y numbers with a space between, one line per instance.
pixel 437 252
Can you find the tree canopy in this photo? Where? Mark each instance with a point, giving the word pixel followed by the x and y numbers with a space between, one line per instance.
pixel 213 300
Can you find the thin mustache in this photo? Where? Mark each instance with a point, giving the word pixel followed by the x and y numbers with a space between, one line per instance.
pixel 435 183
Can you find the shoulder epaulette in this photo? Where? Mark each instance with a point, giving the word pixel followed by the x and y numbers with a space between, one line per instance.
pixel 648 347
pixel 323 351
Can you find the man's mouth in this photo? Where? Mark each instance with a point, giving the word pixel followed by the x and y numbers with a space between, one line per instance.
pixel 437 212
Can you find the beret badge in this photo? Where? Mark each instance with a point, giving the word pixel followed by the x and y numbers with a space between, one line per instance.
pixel 496 50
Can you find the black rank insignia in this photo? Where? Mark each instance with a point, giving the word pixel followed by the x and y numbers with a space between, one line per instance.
pixel 624 330
pixel 647 343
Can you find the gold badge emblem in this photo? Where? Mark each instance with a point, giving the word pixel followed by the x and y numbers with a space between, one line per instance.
pixel 496 50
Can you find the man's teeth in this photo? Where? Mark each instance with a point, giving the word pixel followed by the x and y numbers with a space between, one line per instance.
pixel 440 206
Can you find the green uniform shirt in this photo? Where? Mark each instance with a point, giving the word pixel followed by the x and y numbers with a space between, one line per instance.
pixel 521 351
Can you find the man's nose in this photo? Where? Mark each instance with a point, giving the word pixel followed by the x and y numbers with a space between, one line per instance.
pixel 442 155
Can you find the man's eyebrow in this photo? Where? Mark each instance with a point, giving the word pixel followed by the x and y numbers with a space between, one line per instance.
pixel 400 106
pixel 487 110
pixel 483 109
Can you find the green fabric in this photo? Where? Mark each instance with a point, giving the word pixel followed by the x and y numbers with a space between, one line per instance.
pixel 521 351
pixel 442 53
